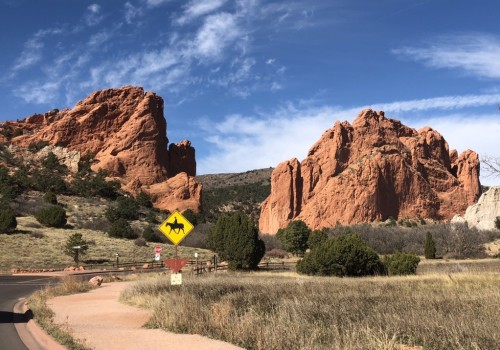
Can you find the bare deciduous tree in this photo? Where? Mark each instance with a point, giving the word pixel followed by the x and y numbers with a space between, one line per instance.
pixel 491 165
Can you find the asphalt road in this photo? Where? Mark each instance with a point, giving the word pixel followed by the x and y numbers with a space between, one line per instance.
pixel 12 288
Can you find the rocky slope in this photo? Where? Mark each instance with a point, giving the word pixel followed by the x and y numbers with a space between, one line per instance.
pixel 371 170
pixel 126 130
pixel 483 214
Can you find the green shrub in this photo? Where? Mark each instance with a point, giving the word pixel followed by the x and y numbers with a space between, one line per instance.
pixel 54 216
pixel 235 238
pixel 190 216
pixel 122 229
pixel 36 146
pixel 401 264
pixel 88 184
pixel 497 222
pixel 390 221
pixel 430 247
pixel 150 235
pixel 294 237
pixel 344 255
pixel 126 208
pixel 317 238
pixel 144 200
pixel 8 222
pixel 50 197
pixel 152 218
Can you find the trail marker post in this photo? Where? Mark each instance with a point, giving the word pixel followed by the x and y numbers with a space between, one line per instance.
pixel 176 227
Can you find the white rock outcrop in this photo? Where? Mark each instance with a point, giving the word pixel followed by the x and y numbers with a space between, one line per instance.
pixel 483 214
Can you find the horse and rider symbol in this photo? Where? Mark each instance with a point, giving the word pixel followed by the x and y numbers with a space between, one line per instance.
pixel 175 226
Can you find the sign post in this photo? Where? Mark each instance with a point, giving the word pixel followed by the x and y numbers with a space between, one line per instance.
pixel 176 227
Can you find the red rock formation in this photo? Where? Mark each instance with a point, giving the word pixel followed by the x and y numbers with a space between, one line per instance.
pixel 368 171
pixel 126 130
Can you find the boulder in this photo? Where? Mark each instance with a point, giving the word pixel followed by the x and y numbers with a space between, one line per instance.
pixel 369 171
pixel 96 281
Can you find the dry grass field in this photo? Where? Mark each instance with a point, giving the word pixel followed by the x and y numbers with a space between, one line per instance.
pixel 272 311
pixel 36 246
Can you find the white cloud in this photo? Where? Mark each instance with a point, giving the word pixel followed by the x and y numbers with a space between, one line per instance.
pixel 446 102
pixel 34 92
pixel 218 32
pixel 476 54
pixel 197 8
pixel 93 16
pixel 155 3
pixel 32 52
pixel 290 131
pixel 132 12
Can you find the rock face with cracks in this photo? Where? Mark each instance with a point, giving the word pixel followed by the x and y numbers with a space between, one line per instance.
pixel 369 171
pixel 126 131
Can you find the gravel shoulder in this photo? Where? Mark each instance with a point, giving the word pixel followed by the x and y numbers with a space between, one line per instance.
pixel 102 322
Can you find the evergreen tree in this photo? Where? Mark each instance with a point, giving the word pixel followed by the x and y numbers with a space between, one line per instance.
pixel 76 246
pixel 8 222
pixel 317 238
pixel 54 216
pixel 430 247
pixel 294 237
pixel 235 238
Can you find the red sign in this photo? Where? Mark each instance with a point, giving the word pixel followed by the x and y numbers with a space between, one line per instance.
pixel 157 249
pixel 175 265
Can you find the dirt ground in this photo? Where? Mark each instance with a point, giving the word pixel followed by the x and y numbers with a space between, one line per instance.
pixel 103 323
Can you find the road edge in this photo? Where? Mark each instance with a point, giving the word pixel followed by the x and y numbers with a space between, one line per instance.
pixel 31 334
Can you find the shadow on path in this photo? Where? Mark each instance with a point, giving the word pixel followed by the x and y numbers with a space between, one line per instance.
pixel 13 317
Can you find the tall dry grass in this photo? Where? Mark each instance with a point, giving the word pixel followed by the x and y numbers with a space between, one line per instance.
pixel 273 312
pixel 44 316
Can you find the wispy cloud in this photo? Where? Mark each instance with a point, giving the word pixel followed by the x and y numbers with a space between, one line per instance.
pixel 197 8
pixel 292 129
pixel 476 54
pixel 217 33
pixel 155 3
pixel 131 12
pixel 32 52
pixel 35 93
pixel 93 15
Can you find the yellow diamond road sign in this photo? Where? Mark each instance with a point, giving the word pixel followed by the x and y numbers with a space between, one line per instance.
pixel 176 227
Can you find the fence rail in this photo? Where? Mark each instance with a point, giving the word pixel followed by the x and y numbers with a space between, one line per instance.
pixel 197 266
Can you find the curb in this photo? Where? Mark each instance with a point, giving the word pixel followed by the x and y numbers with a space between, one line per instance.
pixel 31 334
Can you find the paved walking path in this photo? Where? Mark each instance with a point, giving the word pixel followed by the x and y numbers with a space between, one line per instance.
pixel 103 323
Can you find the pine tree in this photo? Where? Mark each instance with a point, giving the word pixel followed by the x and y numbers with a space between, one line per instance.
pixel 235 238
pixel 430 247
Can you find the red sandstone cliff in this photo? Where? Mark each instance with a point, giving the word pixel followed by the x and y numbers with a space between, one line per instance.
pixel 126 130
pixel 368 171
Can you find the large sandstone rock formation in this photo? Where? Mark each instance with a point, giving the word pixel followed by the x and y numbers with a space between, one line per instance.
pixel 482 214
pixel 368 171
pixel 126 130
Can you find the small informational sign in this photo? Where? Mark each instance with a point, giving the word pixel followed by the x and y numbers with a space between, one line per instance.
pixel 176 279
pixel 157 256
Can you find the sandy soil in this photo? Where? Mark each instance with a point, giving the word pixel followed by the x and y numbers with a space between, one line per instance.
pixel 103 323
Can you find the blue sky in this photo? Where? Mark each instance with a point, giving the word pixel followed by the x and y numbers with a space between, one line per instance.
pixel 253 83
